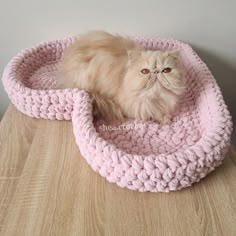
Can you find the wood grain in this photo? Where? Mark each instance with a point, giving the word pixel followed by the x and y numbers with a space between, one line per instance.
pixel 47 188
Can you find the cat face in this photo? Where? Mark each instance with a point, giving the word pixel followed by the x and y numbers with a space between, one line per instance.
pixel 154 70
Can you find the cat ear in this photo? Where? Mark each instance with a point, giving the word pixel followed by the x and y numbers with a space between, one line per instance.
pixel 132 54
pixel 174 53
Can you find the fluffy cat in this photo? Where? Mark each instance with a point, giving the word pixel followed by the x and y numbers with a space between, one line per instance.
pixel 125 80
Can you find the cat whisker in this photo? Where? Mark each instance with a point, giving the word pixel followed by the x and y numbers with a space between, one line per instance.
pixel 171 85
pixel 167 86
pixel 168 82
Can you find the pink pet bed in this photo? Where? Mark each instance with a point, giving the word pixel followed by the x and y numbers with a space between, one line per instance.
pixel 143 156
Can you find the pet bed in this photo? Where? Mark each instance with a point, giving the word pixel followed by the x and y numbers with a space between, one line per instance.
pixel 143 156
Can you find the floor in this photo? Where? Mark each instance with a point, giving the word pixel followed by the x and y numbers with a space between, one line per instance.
pixel 47 188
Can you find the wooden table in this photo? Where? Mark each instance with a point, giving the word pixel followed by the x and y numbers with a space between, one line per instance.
pixel 47 188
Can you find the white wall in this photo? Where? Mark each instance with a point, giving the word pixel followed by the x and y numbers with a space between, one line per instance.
pixel 208 25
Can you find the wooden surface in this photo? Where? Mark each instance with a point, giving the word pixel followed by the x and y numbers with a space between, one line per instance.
pixel 47 188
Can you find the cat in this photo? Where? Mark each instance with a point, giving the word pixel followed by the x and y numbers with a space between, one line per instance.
pixel 124 79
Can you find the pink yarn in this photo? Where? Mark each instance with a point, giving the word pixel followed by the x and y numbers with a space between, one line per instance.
pixel 140 156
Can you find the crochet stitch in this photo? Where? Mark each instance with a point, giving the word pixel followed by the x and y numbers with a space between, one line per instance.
pixel 143 156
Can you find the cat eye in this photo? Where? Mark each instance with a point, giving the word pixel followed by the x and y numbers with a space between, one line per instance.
pixel 145 71
pixel 167 70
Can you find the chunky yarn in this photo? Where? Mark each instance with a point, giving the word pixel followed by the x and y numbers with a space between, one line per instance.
pixel 143 156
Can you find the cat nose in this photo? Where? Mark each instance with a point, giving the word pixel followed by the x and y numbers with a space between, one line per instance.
pixel 156 71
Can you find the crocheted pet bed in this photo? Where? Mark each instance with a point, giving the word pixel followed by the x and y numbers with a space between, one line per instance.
pixel 142 156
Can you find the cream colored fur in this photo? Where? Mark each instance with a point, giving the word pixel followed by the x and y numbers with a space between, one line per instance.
pixel 110 68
